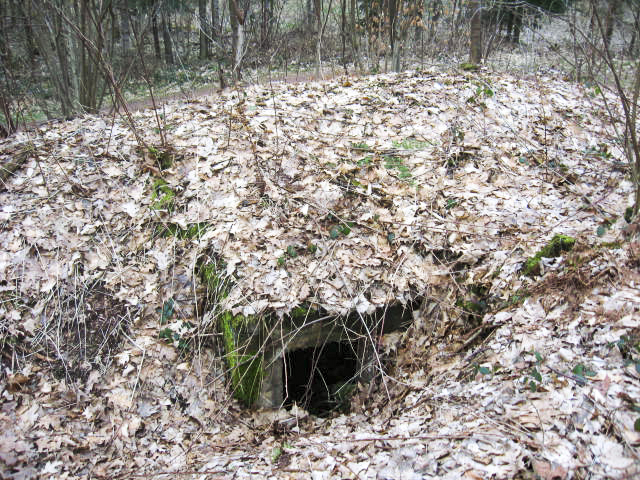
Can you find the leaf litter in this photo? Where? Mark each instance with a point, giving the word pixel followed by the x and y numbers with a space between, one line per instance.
pixel 421 189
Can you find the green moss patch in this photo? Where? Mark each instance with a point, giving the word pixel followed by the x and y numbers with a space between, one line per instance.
pixel 210 275
pixel 163 196
pixel 245 366
pixel 469 67
pixel 553 249
pixel 193 230
pixel 164 157
pixel 628 214
pixel 410 144
pixel 242 352
pixel 303 312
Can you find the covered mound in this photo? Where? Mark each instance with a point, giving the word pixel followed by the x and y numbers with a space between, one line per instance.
pixel 348 196
pixel 427 189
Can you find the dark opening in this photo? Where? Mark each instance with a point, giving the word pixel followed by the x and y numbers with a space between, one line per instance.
pixel 321 379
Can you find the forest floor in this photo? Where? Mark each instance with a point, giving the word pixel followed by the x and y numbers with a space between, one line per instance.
pixel 448 182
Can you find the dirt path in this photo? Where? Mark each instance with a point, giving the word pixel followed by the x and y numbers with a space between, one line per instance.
pixel 189 94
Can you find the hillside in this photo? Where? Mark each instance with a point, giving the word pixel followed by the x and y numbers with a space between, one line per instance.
pixel 425 190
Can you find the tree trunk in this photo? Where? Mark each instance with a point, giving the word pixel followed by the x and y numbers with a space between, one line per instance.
pixel 204 41
pixel 67 75
pixel 393 15
pixel 343 32
pixel 156 36
pixel 166 38
pixel 636 31
pixel 475 37
pixel 125 31
pixel 5 45
pixel 352 33
pixel 93 22
pixel 517 25
pixel 32 50
pixel 215 19
pixel 610 21
pixel 266 19
pixel 237 19
pixel 317 6
pixel 309 15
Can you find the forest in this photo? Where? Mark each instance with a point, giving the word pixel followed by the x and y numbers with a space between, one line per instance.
pixel 364 239
pixel 62 58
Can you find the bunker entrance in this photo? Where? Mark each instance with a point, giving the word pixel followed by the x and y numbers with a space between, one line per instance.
pixel 321 379
pixel 314 361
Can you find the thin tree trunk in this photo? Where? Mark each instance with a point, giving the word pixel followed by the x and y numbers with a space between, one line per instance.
pixel 309 15
pixel 266 20
pixel 392 14
pixel 215 19
pixel 475 37
pixel 166 38
pixel 63 51
pixel 237 19
pixel 352 33
pixel 125 31
pixel 517 26
pixel 636 31
pixel 343 32
pixel 610 21
pixel 5 45
pixel 204 41
pixel 317 6
pixel 156 36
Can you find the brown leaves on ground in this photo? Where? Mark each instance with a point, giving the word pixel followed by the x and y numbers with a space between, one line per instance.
pixel 419 189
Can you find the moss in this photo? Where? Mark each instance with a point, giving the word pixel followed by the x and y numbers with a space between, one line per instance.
pixel 469 67
pixel 516 299
pixel 163 196
pixel 245 367
pixel 164 158
pixel 628 214
pixel 303 311
pixel 410 144
pixel 555 248
pixel 611 245
pixel 242 355
pixel 193 230
pixel 361 146
pixel 212 275
pixel 473 307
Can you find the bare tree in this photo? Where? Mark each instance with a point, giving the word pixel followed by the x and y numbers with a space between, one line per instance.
pixel 475 36
pixel 317 10
pixel 204 38
pixel 266 22
pixel 215 19
pixel 237 18
pixel 156 35
pixel 594 45
pixel 166 37
pixel 54 44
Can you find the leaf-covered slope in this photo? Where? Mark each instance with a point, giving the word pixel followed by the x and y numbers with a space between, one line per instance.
pixel 376 174
pixel 350 195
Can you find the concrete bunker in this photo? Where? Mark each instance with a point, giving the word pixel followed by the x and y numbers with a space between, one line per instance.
pixel 308 357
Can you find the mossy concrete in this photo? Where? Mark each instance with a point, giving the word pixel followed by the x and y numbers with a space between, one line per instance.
pixel 244 359
pixel 255 345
